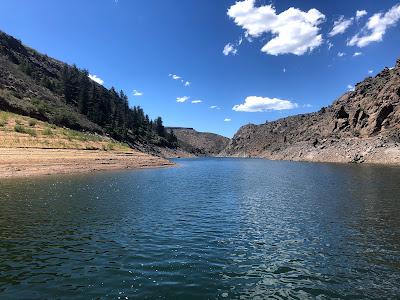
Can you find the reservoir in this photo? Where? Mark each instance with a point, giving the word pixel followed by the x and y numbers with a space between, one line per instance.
pixel 210 228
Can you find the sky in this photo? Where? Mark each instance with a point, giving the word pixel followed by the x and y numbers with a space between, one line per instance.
pixel 215 65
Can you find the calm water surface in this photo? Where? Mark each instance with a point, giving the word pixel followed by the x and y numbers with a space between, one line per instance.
pixel 208 229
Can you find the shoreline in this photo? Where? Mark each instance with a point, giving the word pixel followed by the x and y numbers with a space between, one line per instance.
pixel 25 162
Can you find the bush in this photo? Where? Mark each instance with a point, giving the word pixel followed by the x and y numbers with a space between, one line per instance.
pixel 67 119
pixel 18 121
pixel 3 123
pixel 47 131
pixel 21 129
pixel 32 122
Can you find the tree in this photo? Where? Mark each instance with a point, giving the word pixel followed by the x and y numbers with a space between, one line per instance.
pixel 159 127
pixel 172 139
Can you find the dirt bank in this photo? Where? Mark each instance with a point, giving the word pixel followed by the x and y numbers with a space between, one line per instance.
pixel 22 162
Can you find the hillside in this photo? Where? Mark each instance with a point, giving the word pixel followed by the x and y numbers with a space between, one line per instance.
pixel 44 88
pixel 361 126
pixel 199 143
pixel 32 147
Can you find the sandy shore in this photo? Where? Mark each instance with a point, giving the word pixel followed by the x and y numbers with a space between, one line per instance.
pixel 23 162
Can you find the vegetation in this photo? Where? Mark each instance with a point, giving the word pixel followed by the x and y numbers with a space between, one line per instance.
pixel 21 129
pixel 45 135
pixel 66 96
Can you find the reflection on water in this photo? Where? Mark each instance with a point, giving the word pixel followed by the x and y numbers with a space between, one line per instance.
pixel 210 228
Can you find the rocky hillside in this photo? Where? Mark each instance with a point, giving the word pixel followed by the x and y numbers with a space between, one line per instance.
pixel 361 126
pixel 199 143
pixel 38 86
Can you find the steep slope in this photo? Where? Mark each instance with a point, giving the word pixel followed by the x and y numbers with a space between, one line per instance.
pixel 361 126
pixel 199 143
pixel 44 88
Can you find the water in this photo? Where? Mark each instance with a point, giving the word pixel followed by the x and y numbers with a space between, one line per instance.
pixel 208 229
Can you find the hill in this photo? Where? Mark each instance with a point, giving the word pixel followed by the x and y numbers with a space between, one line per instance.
pixel 35 85
pixel 32 147
pixel 199 143
pixel 361 126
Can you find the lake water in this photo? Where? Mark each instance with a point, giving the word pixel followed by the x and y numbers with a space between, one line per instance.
pixel 207 229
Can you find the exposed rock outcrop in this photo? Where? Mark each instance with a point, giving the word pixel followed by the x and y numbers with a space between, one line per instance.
pixel 361 126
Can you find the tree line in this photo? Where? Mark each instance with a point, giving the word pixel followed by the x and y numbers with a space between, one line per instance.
pixel 106 107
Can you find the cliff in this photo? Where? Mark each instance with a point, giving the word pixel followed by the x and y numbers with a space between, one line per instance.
pixel 361 126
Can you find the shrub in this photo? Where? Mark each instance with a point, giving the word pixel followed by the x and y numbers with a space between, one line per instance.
pixel 2 122
pixel 47 131
pixel 21 129
pixel 18 121
pixel 32 122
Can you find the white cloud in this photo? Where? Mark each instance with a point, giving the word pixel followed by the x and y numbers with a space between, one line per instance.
pixel 227 120
pixel 137 93
pixel 360 14
pixel 357 53
pixel 376 27
pixel 174 76
pixel 96 79
pixel 196 101
pixel 182 99
pixel 350 87
pixel 307 105
pixel 340 26
pixel 214 107
pixel 294 31
pixel 284 70
pixel 260 104
pixel 370 71
pixel 187 83
pixel 229 49
pixel 340 54
pixel 330 45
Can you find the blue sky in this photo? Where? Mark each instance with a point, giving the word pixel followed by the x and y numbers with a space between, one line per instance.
pixel 282 60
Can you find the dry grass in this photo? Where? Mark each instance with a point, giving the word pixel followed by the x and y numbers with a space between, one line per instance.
pixel 18 131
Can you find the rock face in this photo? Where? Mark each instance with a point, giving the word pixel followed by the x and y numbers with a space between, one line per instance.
pixel 361 126
pixel 200 143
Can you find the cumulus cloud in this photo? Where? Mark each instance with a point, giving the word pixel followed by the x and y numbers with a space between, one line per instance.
pixel 227 120
pixel 260 104
pixel 350 87
pixel 229 49
pixel 376 27
pixel 293 30
pixel 96 79
pixel 196 101
pixel 340 26
pixel 357 53
pixel 187 83
pixel 174 76
pixel 340 54
pixel 370 71
pixel 182 99
pixel 360 14
pixel 137 93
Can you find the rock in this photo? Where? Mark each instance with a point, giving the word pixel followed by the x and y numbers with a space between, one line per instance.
pixel 369 113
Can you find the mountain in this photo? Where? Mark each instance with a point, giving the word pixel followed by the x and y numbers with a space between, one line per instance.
pixel 199 143
pixel 35 85
pixel 361 126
